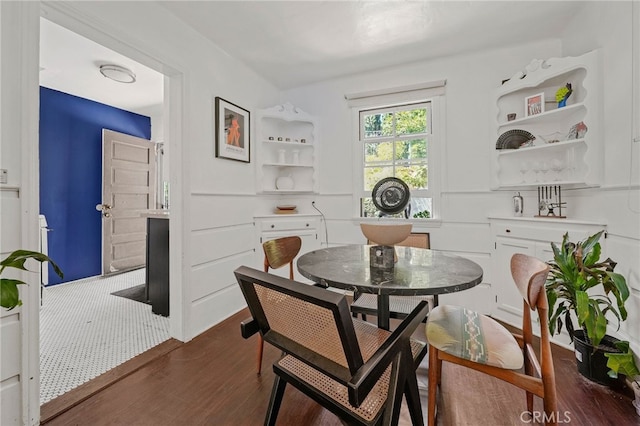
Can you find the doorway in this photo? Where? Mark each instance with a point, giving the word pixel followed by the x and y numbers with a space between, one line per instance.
pixel 49 40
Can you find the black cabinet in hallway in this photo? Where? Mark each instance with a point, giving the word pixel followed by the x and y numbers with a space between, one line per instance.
pixel 158 264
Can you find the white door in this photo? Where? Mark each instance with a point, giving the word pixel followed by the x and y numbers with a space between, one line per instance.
pixel 128 190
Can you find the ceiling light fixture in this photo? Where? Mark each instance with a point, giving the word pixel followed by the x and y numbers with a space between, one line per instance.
pixel 118 73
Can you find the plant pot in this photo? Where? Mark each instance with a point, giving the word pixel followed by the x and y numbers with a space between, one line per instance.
pixel 591 361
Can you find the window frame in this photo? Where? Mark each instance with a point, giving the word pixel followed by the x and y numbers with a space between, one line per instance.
pixel 435 151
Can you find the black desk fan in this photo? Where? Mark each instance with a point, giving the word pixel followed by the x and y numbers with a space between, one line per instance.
pixel 391 196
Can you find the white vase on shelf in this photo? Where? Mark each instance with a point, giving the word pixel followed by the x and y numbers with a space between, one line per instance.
pixel 285 183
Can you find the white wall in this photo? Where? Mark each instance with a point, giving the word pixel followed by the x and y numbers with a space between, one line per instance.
pixel 472 81
pixel 608 26
pixel 214 199
pixel 212 216
pixel 466 200
pixel 19 357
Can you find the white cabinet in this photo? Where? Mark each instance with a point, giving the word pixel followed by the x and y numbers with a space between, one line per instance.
pixel 287 148
pixel 270 227
pixel 533 237
pixel 562 152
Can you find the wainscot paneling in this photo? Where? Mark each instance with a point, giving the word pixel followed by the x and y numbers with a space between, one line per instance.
pixel 10 393
pixel 10 349
pixel 619 206
pixel 472 207
pixel 9 220
pixel 463 237
pixel 212 244
pixel 10 389
pixel 217 211
pixel 479 298
pixel 215 308
pixel 212 277
pixel 626 251
pixel 345 231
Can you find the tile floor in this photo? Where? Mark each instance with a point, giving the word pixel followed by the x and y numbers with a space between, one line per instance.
pixel 85 331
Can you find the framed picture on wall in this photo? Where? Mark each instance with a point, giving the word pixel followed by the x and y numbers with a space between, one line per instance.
pixel 534 104
pixel 233 140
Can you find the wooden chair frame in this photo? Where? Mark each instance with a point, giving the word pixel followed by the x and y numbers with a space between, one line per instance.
pixel 359 376
pixel 277 253
pixel 538 379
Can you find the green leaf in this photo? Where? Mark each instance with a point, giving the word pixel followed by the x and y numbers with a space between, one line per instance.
pixel 622 363
pixel 591 256
pixel 582 306
pixel 9 294
pixel 18 258
pixel 591 242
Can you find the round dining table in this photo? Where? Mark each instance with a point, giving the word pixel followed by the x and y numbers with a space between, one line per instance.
pixel 416 272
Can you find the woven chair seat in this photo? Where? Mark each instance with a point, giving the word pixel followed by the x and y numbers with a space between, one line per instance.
pixel 399 306
pixel 370 338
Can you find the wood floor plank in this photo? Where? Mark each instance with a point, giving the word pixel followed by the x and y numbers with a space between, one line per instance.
pixel 212 381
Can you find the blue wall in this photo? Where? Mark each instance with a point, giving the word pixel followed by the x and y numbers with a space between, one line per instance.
pixel 71 176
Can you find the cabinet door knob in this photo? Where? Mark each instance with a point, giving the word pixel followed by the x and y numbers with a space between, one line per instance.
pixel 272 225
pixel 307 225
pixel 508 231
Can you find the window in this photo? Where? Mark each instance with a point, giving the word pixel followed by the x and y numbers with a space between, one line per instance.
pixel 399 141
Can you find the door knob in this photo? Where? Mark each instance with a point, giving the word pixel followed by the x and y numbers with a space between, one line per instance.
pixel 102 207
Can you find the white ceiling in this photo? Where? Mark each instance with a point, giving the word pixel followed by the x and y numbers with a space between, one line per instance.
pixel 292 43
pixel 70 63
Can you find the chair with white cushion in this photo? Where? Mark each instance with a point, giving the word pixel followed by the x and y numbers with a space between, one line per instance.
pixel 472 340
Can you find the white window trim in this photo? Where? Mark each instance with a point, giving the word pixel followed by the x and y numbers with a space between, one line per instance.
pixel 436 158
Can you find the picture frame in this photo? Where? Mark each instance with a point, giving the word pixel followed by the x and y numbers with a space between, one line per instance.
pixel 534 104
pixel 232 128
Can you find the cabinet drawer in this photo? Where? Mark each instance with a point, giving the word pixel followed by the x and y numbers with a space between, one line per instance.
pixel 277 225
pixel 543 231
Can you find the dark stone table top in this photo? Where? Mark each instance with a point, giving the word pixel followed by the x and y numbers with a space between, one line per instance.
pixel 417 272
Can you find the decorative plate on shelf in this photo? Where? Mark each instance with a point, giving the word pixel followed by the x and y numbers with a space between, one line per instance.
pixel 514 139
pixel 286 207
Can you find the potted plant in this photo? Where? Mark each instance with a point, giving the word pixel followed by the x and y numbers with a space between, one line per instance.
pixel 9 295
pixel 581 287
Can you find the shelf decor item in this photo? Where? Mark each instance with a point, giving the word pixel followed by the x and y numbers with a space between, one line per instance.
pixel 577 131
pixel 514 139
pixel 285 183
pixel 233 140
pixel 563 94
pixel 534 105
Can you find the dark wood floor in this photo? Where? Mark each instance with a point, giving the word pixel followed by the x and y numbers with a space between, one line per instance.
pixel 211 381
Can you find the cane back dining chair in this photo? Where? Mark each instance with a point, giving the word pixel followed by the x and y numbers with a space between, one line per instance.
pixel 399 306
pixel 278 253
pixel 354 369
pixel 466 338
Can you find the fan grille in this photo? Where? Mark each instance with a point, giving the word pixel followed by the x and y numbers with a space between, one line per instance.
pixel 390 195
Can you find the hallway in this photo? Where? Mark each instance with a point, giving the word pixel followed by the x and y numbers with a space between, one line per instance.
pixel 85 331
